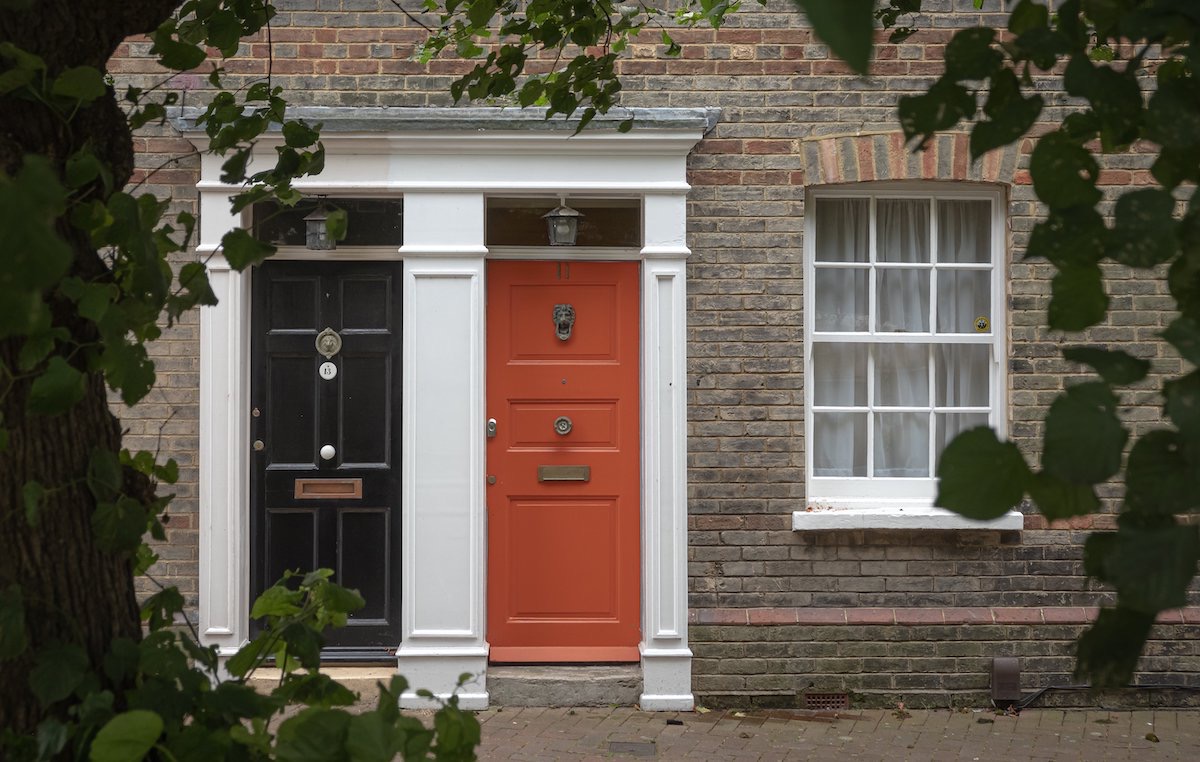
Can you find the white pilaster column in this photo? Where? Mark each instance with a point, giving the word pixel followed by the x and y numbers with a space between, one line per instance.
pixel 224 518
pixel 666 658
pixel 442 510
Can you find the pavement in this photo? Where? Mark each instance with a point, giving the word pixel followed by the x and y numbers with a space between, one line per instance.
pixel 1035 734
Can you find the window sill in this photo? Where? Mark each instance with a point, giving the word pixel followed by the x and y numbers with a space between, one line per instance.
pixel 899 516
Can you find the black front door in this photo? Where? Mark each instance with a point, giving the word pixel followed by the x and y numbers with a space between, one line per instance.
pixel 325 474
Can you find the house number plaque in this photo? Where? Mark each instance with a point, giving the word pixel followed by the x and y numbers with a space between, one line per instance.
pixel 328 371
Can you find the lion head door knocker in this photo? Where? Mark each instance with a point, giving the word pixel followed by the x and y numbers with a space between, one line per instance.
pixel 564 320
pixel 329 343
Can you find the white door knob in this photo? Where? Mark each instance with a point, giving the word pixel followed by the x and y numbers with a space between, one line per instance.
pixel 327 452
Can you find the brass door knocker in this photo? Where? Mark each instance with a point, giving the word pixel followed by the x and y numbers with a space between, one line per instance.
pixel 329 343
pixel 564 320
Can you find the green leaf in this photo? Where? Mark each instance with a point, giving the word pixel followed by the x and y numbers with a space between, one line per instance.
pixel 52 736
pixel 83 83
pixel 1074 237
pixel 314 735
pixel 1114 366
pixel 847 27
pixel 276 600
pixel 1010 115
pixel 970 55
pixel 1158 478
pixel 57 389
pixel 250 655
pixel 1144 233
pixel 1077 298
pixel 1151 567
pixel 127 737
pixel 981 477
pixel 1057 499
pixel 1064 172
pixel 1084 438
pixel 119 525
pixel 299 135
pixel 13 638
pixel 1184 334
pixel 35 257
pixel 1107 654
pixel 104 476
pixel 337 223
pixel 159 610
pixel 176 55
pixel 943 106
pixel 371 739
pixel 57 671
pixel 32 495
pixel 1183 405
pixel 242 250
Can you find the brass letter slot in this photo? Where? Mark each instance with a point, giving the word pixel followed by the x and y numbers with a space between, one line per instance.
pixel 328 489
pixel 564 473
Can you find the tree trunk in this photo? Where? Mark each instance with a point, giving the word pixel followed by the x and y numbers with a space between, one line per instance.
pixel 73 591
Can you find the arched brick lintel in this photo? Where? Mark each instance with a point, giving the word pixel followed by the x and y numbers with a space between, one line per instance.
pixel 862 158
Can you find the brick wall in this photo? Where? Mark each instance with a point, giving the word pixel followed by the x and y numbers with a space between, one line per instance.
pixel 791 117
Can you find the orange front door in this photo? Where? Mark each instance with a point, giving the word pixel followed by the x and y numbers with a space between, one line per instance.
pixel 564 565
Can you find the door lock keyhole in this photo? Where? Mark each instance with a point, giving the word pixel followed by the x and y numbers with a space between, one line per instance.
pixel 562 425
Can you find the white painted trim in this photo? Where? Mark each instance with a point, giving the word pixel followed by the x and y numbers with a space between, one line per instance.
pixel 445 176
pixel 900 516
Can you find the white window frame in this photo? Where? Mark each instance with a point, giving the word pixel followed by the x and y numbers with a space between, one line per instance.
pixel 867 501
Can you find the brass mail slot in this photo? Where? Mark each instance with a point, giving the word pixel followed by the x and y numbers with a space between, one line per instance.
pixel 328 489
pixel 564 473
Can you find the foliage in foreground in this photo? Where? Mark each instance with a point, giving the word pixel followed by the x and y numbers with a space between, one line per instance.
pixel 167 698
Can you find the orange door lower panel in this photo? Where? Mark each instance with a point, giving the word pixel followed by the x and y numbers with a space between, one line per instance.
pixel 564 566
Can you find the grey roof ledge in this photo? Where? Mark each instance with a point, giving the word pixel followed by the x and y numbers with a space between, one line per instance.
pixel 476 118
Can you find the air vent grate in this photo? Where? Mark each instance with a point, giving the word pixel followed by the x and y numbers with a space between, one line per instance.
pixel 826 701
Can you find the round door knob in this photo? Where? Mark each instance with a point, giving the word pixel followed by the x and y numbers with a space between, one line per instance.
pixel 562 426
pixel 327 452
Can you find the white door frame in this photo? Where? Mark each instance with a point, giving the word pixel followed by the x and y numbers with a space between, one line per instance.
pixel 445 162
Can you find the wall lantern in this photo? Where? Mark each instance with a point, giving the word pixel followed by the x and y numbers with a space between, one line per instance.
pixel 562 223
pixel 316 230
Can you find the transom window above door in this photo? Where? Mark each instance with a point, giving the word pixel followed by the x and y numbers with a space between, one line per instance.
pixel 904 325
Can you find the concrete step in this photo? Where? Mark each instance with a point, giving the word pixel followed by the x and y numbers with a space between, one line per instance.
pixel 564 685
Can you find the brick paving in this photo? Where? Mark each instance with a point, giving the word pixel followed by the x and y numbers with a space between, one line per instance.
pixel 531 734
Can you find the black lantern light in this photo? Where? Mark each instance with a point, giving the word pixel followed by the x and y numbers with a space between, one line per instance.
pixel 316 230
pixel 562 223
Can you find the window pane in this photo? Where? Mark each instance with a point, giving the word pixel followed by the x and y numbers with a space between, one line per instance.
pixel 902 228
pixel 950 425
pixel 964 231
pixel 839 444
pixel 843 226
pixel 962 372
pixel 964 297
pixel 841 297
pixel 903 297
pixel 901 374
pixel 604 222
pixel 369 221
pixel 839 374
pixel 901 444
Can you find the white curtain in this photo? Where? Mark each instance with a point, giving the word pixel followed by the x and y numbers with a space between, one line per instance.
pixel 964 296
pixel 840 439
pixel 843 230
pixel 902 231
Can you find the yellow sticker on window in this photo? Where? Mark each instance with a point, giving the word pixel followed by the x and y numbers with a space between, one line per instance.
pixel 981 324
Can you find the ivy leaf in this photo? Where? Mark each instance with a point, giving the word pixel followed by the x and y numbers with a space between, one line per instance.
pixel 57 671
pixel 159 610
pixel 981 477
pixel 1157 477
pixel 13 638
pixel 82 83
pixel 1077 298
pixel 942 107
pixel 846 27
pixel 1084 438
pixel 1070 237
pixel 35 257
pixel 57 389
pixel 1183 405
pixel 1145 231
pixel 176 55
pixel 249 655
pixel 1057 499
pixel 970 55
pixel 119 525
pixel 276 600
pixel 337 224
pixel 371 739
pixel 299 135
pixel 1151 567
pixel 1010 115
pixel 314 735
pixel 127 737
pixel 1184 334
pixel 1114 366
pixel 52 736
pixel 1107 654
pixel 242 249
pixel 1064 172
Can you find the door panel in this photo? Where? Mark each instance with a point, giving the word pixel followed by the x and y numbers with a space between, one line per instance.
pixel 350 524
pixel 564 568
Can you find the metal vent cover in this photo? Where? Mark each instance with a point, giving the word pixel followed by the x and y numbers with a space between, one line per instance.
pixel 826 701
